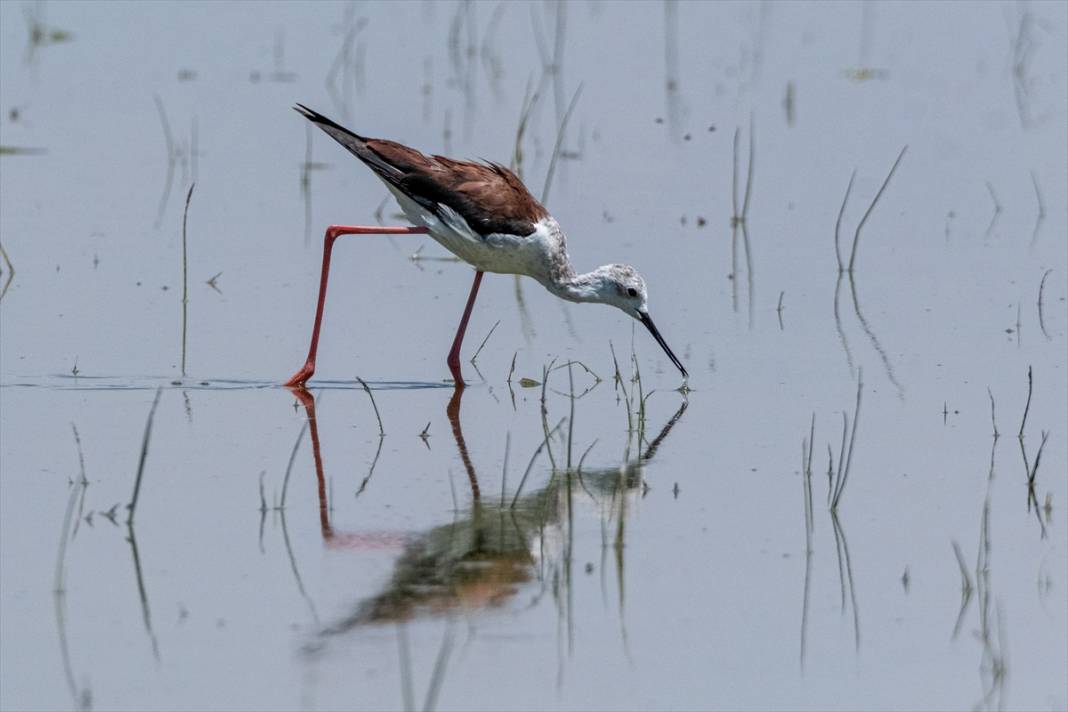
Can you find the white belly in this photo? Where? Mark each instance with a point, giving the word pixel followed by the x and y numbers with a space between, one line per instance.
pixel 499 253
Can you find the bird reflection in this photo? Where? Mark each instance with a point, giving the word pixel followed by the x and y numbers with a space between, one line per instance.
pixel 488 552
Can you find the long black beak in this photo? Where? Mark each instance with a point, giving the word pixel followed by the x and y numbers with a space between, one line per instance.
pixel 648 321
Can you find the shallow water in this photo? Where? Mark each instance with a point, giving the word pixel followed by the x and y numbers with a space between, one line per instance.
pixel 284 555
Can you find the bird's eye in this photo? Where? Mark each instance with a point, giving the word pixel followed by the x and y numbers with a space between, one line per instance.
pixel 632 291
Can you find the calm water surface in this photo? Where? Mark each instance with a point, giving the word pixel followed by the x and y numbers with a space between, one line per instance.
pixel 285 555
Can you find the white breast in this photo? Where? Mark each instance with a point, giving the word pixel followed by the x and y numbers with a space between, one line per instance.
pixel 497 252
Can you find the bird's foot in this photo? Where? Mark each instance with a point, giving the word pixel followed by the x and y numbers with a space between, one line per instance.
pixel 301 377
pixel 454 369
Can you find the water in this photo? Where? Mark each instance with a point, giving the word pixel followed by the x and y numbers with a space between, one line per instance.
pixel 684 579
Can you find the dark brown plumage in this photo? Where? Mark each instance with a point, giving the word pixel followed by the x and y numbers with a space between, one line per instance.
pixel 488 196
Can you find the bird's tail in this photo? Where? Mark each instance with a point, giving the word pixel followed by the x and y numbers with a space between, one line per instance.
pixel 353 142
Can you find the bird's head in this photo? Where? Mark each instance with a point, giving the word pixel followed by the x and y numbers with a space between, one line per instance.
pixel 622 287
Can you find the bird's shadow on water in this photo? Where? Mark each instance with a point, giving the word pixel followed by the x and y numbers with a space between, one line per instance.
pixel 494 548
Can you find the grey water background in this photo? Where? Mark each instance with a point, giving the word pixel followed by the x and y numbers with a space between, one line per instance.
pixel 687 580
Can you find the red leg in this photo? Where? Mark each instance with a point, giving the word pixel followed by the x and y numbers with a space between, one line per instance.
pixel 332 233
pixel 454 353
pixel 453 413
pixel 308 401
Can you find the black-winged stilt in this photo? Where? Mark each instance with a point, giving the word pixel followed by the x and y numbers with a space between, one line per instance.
pixel 483 214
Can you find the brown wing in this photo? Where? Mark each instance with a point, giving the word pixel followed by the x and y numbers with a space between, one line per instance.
pixel 488 196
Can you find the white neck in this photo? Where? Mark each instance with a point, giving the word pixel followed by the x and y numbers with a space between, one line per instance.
pixel 588 287
pixel 560 277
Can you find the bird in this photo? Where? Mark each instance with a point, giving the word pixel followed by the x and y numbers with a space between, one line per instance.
pixel 481 212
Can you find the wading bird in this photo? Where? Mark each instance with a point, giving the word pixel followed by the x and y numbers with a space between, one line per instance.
pixel 483 214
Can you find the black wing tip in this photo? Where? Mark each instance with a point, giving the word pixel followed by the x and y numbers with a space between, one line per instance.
pixel 315 117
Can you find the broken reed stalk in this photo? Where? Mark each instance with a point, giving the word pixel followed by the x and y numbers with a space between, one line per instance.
pixel 1034 468
pixel 1041 319
pixel 841 458
pixel 856 236
pixel 479 350
pixel 993 196
pixel 132 506
pixel 838 222
pixel 374 463
pixel 965 589
pixel 10 271
pixel 1041 210
pixel 185 274
pixel 806 482
pixel 530 465
pixel 1030 384
pixel 993 421
pixel 1038 196
pixel 571 415
pixel 841 483
pixel 7 260
pixel 58 585
pixel 748 172
pixel 997 209
pixel 585 453
pixel 617 377
pixel 734 177
pixel 512 369
pixel 556 148
pixel 586 368
pixel 81 456
pixel 545 371
pixel 993 199
pixel 641 408
pixel 263 499
pixel 375 406
pixel 641 399
pixel 525 109
pixel 168 142
pixel 830 472
pixel 628 401
pixel 811 445
pixel 83 481
pixel 289 466
pixel 965 577
pixel 748 271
